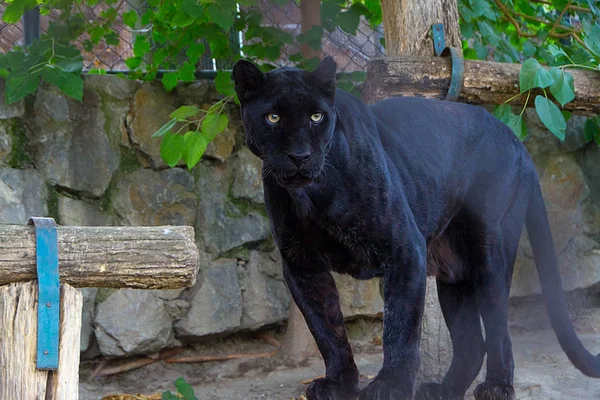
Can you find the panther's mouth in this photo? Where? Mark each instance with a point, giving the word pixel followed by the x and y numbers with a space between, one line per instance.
pixel 296 181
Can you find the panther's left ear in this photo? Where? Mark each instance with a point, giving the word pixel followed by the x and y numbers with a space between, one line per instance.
pixel 324 75
pixel 248 79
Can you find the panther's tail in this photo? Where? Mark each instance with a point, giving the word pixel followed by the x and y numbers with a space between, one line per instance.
pixel 546 264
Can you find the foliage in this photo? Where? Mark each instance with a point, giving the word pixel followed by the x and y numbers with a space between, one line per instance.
pixel 561 34
pixel 184 391
pixel 167 47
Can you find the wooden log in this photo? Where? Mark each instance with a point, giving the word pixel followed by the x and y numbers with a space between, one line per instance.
pixel 408 25
pixel 485 82
pixel 19 378
pixel 162 257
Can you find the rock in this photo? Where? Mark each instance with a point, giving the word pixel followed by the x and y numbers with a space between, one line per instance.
pixel 23 194
pixel 574 137
pixel 150 110
pixel 87 316
pixel 78 212
pixel 111 85
pixel 168 294
pixel 565 190
pixel 5 144
pixel 132 322
pixel 359 298
pixel 247 177
pixel 589 159
pixel 13 110
pixel 222 145
pixel 69 142
pixel 266 299
pixel 176 308
pixel 224 225
pixel 147 197
pixel 215 302
pixel 198 92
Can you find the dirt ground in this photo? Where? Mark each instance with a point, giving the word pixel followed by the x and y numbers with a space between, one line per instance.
pixel 542 372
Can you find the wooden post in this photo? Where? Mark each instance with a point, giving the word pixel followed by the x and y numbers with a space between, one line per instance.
pixel 153 257
pixel 19 378
pixel 407 26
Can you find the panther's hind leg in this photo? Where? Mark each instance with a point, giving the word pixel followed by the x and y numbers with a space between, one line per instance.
pixel 459 307
pixel 493 287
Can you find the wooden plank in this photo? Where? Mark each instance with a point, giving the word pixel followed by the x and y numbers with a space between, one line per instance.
pixel 163 257
pixel 485 82
pixel 19 378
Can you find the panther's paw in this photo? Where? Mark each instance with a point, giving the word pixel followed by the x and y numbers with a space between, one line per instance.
pixel 494 391
pixel 435 391
pixel 328 389
pixel 384 389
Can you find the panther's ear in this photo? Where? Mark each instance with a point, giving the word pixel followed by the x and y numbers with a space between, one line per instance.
pixel 248 79
pixel 324 75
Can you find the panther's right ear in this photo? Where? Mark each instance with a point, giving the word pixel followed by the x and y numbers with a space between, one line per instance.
pixel 248 79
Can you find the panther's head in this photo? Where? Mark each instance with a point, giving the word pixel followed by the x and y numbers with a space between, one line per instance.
pixel 289 118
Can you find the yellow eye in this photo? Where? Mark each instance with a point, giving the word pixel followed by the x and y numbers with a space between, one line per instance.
pixel 273 118
pixel 316 117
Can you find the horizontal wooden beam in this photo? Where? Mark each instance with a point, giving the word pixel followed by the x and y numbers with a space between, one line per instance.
pixel 485 82
pixel 161 257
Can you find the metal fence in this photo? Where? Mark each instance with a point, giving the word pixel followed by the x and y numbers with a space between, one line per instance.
pixel 351 52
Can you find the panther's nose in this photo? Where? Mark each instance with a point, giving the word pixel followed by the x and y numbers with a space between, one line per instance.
pixel 298 159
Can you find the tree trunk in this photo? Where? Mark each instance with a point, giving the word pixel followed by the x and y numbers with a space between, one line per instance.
pixel 408 25
pixel 19 378
pixel 485 82
pixel 310 15
pixel 299 344
pixel 137 257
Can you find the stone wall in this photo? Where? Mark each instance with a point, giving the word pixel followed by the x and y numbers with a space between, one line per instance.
pixel 94 163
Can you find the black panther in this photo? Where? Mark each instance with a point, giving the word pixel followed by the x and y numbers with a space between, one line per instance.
pixel 400 189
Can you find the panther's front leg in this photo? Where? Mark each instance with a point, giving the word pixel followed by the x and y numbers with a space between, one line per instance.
pixel 404 296
pixel 317 298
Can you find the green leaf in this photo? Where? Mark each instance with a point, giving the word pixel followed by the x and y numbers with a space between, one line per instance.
pixel 194 52
pixel 533 75
pixel 556 52
pixel 220 15
pixel 488 33
pixel 192 8
pixel 171 148
pixel 482 8
pixel 141 46
pixel 563 88
pixel 130 18
pixel 187 72
pixel 15 10
pixel 224 84
pixel 20 85
pixel 551 116
pixel 529 49
pixel 590 130
pixel 213 124
pixel 514 122
pixel 185 389
pixel 68 82
pixel 164 129
pixel 184 112
pixel 348 21
pixel 195 145
pixel 312 37
pixel 133 62
pixel 169 80
pixel 592 38
pixel 166 395
pixel 181 19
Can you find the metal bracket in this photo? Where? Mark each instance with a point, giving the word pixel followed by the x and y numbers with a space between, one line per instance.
pixel 439 38
pixel 46 247
pixel 458 61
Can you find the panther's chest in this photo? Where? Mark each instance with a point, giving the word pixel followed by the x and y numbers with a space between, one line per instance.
pixel 350 250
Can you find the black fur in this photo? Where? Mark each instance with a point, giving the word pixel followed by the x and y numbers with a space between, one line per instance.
pixel 400 189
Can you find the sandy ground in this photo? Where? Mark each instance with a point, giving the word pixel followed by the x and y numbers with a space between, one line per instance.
pixel 542 373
